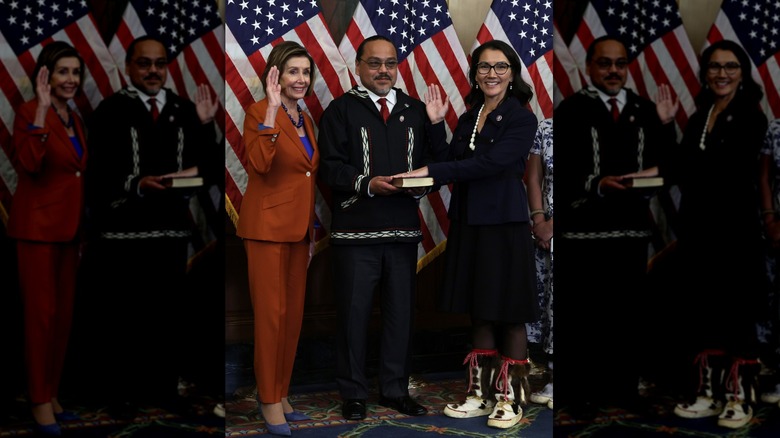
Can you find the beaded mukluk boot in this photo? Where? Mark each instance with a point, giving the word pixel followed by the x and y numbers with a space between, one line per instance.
pixel 479 395
pixel 710 394
pixel 513 391
pixel 741 389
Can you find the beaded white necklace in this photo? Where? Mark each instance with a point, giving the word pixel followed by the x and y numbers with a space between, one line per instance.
pixel 702 143
pixel 474 132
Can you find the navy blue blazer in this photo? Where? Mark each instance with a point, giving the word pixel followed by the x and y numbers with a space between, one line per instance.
pixel 496 191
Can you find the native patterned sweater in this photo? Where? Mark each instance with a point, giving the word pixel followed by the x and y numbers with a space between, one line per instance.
pixel 592 146
pixel 126 145
pixel 356 145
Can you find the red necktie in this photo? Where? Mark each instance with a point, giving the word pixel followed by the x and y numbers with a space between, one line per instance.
pixel 615 110
pixel 383 111
pixel 155 111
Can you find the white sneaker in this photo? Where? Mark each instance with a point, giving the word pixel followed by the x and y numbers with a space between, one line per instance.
pixel 219 410
pixel 771 397
pixel 550 404
pixel 701 408
pixel 473 407
pixel 544 396
pixel 734 416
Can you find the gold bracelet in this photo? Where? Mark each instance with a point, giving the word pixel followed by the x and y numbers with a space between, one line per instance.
pixel 763 213
pixel 535 212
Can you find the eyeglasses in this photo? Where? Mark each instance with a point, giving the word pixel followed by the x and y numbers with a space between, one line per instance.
pixel 500 67
pixel 605 63
pixel 146 63
pixel 731 68
pixel 374 64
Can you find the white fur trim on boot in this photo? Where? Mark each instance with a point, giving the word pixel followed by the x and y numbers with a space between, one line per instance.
pixel 703 407
pixel 735 416
pixel 473 407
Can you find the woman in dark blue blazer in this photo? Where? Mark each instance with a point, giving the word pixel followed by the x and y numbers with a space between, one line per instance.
pixel 490 253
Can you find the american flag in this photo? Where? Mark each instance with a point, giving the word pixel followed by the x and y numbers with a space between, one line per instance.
pixel 24 29
pixel 528 27
pixel 659 50
pixel 429 52
pixel 567 76
pixel 754 25
pixel 253 28
pixel 192 31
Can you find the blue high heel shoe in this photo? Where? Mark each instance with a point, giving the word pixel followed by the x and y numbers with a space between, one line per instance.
pixel 66 416
pixel 45 430
pixel 278 429
pixel 296 416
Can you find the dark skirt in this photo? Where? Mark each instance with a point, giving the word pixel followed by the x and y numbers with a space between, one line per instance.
pixel 490 272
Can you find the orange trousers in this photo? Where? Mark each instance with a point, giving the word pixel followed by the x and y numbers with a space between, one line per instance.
pixel 277 286
pixel 47 278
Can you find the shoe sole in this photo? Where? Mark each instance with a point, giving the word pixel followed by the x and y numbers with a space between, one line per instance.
pixel 452 413
pixel 504 424
pixel 771 399
pixel 539 399
pixel 693 414
pixel 734 424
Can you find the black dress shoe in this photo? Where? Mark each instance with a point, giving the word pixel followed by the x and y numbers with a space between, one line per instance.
pixel 354 409
pixel 405 405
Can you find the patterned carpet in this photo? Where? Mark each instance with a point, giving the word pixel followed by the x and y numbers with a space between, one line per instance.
pixel 325 409
pixel 660 421
pixel 196 421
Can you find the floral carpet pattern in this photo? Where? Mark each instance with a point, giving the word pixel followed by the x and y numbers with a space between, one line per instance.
pixel 149 422
pixel 614 422
pixel 324 408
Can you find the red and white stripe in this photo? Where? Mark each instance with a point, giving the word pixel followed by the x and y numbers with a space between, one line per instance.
pixel 568 79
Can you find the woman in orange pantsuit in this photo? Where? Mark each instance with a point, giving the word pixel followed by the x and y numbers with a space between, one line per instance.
pixel 277 223
pixel 49 155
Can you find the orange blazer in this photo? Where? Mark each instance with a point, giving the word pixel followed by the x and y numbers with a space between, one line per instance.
pixel 278 204
pixel 48 205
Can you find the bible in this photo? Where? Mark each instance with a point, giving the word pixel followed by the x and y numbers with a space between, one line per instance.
pixel 643 182
pixel 405 183
pixel 183 181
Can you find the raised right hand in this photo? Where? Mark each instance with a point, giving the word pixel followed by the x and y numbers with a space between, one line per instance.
pixel 273 90
pixel 43 88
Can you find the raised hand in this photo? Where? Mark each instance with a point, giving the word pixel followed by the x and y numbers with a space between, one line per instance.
pixel 43 88
pixel 435 106
pixel 665 105
pixel 273 90
pixel 204 104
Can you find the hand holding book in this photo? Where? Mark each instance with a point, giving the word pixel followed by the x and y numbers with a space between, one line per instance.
pixel 643 179
pixel 415 181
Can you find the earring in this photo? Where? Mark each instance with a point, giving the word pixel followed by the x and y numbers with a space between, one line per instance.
pixel 510 86
pixel 476 86
pixel 740 85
